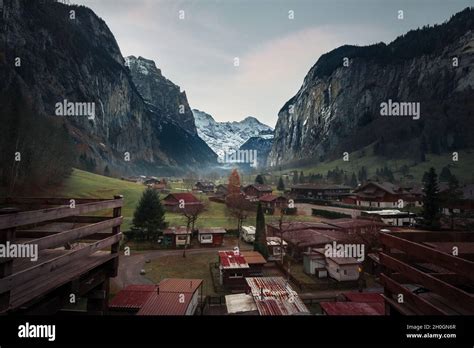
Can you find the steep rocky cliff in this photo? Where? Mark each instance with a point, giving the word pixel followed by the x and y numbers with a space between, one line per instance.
pixel 54 55
pixel 338 107
pixel 161 93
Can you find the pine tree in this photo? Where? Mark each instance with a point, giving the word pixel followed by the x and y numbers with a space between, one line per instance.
pixel 281 185
pixel 259 179
pixel 301 178
pixel 149 216
pixel 430 211
pixel 295 178
pixel 353 180
pixel 260 243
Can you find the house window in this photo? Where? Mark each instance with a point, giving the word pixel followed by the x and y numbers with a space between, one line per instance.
pixel 206 237
pixel 235 275
pixel 345 272
pixel 182 238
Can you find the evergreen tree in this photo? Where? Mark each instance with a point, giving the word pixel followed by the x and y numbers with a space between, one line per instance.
pixel 452 196
pixel 259 179
pixel 149 216
pixel 281 185
pixel 353 180
pixel 295 178
pixel 106 171
pixel 430 210
pixel 260 243
pixel 445 175
pixel 302 178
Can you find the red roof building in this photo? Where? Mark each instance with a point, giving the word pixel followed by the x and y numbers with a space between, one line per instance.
pixel 175 201
pixel 132 298
pixel 235 266
pixel 170 297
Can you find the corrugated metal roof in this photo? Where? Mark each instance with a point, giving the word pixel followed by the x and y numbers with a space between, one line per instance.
pixel 182 286
pixel 274 296
pixel 353 308
pixel 253 257
pixel 166 303
pixel 132 297
pixel 231 259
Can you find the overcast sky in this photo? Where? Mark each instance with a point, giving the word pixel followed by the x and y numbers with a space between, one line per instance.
pixel 275 52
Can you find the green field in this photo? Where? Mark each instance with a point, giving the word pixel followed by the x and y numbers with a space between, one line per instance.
pixel 82 184
pixel 193 266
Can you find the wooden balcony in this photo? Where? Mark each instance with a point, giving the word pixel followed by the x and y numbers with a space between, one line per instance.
pixel 77 252
pixel 432 271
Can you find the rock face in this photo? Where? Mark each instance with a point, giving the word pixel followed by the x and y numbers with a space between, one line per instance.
pixel 262 144
pixel 338 107
pixel 166 97
pixel 226 137
pixel 73 56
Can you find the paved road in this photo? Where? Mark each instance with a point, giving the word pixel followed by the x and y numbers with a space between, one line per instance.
pixel 306 208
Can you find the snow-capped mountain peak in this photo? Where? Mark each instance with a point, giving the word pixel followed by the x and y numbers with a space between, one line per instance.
pixel 226 137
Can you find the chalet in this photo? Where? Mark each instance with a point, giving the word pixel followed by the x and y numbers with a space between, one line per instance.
pixel 270 202
pixel 176 201
pixel 464 204
pixel 205 186
pixel 300 241
pixel 151 181
pixel 386 195
pixel 213 236
pixel 392 217
pixel 221 190
pixel 257 190
pixel 177 237
pixel 319 192
pixel 276 248
pixel 235 266
pixel 274 296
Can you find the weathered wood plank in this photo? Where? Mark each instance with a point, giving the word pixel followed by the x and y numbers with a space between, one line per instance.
pixel 61 238
pixel 35 216
pixel 450 292
pixel 16 279
pixel 456 264
pixel 49 200
pixel 29 291
pixel 424 306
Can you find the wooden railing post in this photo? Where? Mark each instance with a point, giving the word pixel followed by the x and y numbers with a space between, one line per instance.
pixel 117 212
pixel 6 265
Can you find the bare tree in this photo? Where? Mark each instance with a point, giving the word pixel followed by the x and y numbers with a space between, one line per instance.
pixel 191 213
pixel 239 207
